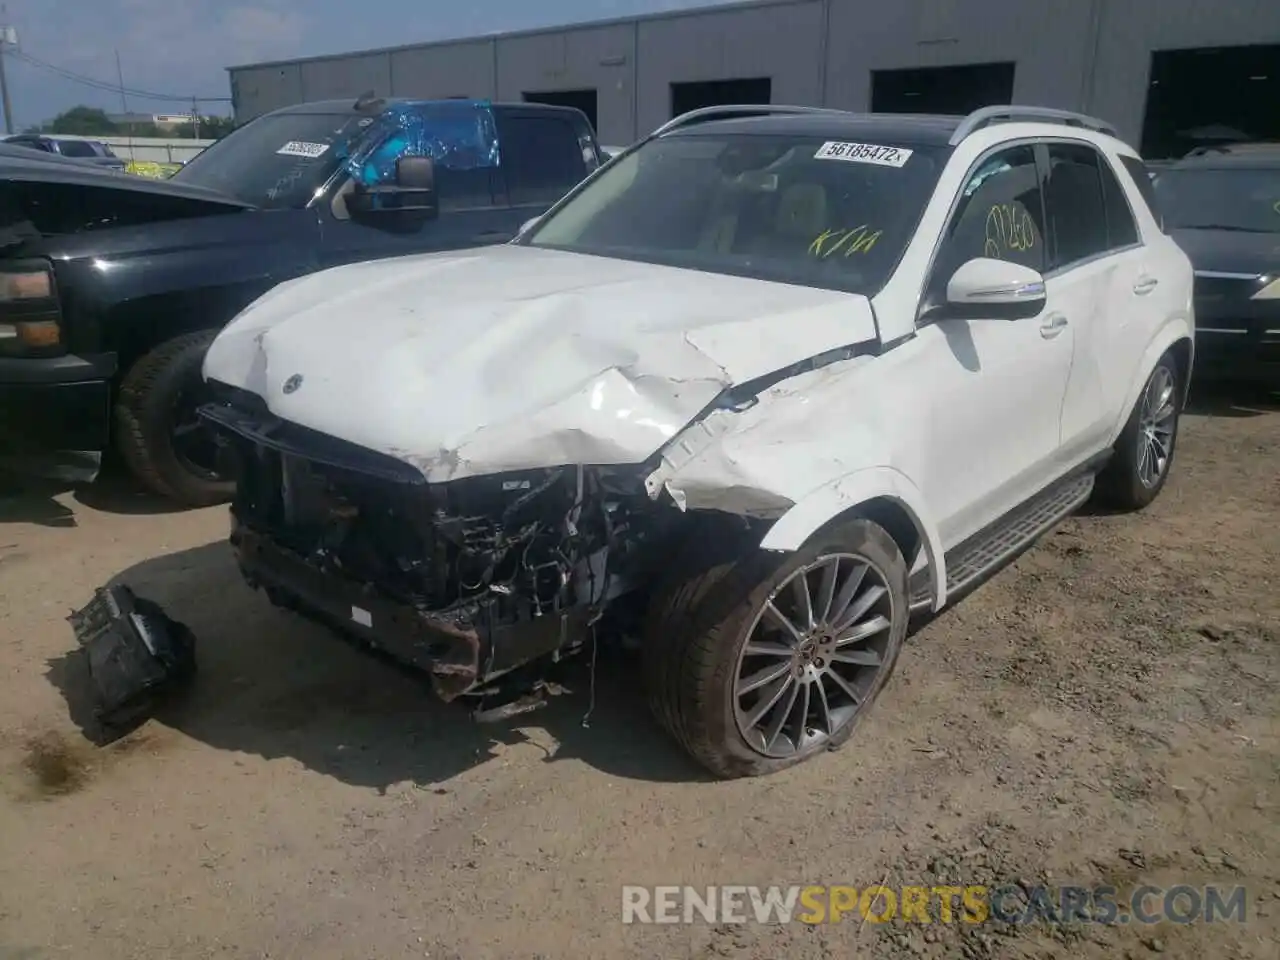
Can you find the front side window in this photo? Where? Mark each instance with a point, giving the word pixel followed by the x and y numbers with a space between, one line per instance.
pixel 1245 199
pixel 792 209
pixel 458 136
pixel 998 215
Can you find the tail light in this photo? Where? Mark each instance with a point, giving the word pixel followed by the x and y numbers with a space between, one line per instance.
pixel 30 316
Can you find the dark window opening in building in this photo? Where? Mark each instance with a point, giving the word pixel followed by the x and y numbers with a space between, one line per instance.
pixel 584 100
pixel 958 90
pixel 714 93
pixel 1214 95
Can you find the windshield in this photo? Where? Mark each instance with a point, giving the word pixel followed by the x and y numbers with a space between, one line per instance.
pixel 1244 199
pixel 277 161
pixel 784 208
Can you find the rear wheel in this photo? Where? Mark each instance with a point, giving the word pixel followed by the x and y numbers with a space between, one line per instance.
pixel 763 663
pixel 1144 450
pixel 158 433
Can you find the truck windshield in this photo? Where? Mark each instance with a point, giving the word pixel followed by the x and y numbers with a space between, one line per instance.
pixel 784 208
pixel 277 161
pixel 1244 199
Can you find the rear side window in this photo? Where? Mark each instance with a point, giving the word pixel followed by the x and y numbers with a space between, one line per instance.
pixel 1146 186
pixel 77 148
pixel 463 189
pixel 1121 230
pixel 541 156
pixel 1075 204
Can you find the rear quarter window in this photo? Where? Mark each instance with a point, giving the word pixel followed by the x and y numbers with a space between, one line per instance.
pixel 1141 175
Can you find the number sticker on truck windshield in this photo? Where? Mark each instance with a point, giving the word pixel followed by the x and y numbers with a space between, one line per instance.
pixel 863 153
pixel 300 148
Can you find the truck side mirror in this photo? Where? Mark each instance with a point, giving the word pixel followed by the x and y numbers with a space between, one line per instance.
pixel 409 199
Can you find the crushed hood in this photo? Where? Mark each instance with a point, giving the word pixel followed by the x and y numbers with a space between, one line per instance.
pixel 510 357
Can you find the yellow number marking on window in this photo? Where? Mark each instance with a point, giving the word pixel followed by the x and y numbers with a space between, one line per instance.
pixel 1008 230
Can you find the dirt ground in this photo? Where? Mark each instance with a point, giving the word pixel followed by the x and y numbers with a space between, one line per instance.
pixel 1105 711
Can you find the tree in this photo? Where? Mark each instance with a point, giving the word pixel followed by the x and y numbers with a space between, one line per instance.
pixel 215 128
pixel 83 122
pixel 211 128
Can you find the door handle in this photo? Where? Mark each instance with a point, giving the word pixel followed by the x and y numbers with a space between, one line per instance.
pixel 1145 286
pixel 1053 325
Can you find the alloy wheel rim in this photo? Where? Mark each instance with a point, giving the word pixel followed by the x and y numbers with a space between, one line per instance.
pixel 1156 426
pixel 814 655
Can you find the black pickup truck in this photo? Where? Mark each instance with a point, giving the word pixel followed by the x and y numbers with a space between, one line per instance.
pixel 112 287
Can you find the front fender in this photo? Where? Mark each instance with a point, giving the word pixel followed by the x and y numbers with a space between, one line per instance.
pixel 842 496
pixel 1174 330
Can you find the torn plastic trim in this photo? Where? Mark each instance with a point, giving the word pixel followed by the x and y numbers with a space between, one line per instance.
pixel 135 653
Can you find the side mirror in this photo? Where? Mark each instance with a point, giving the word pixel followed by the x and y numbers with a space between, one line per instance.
pixel 409 198
pixel 987 288
pixel 528 225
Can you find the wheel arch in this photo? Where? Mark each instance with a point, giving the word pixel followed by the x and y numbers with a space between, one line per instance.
pixel 1175 337
pixel 1184 352
pixel 882 494
pixel 136 327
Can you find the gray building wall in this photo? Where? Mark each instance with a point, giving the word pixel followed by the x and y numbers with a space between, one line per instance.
pixel 1090 55
pixel 1131 30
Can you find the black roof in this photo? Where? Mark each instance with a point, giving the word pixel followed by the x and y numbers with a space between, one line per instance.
pixel 1234 156
pixel 924 129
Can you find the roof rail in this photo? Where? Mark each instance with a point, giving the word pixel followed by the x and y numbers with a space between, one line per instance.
pixel 737 110
pixel 986 116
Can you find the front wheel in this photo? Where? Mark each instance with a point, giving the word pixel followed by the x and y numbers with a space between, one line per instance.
pixel 1144 450
pixel 761 664
pixel 161 439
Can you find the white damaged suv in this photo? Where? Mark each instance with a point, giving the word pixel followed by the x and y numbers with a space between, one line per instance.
pixel 759 389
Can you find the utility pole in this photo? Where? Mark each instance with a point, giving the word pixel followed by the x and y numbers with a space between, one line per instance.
pixel 8 38
pixel 195 116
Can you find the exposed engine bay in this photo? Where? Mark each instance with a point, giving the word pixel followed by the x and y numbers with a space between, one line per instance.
pixel 468 580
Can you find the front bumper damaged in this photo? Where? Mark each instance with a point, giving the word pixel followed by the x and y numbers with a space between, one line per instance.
pixel 460 648
pixel 135 654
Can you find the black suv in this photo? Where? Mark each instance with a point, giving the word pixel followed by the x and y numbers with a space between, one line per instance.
pixel 112 287
pixel 1222 205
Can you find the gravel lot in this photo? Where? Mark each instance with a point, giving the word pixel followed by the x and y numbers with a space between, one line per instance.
pixel 1103 711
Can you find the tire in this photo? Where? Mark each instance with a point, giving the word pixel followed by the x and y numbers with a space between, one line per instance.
pixel 701 623
pixel 1126 483
pixel 154 394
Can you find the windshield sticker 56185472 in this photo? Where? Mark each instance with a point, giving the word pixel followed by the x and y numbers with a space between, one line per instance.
pixel 863 153
pixel 300 148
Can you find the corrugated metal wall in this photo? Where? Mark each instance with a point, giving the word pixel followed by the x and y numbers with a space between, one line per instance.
pixel 1131 30
pixel 1075 54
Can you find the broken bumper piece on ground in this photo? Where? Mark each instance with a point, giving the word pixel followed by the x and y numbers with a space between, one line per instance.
pixel 135 654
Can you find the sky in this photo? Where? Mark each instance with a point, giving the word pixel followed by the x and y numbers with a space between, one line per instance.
pixel 182 47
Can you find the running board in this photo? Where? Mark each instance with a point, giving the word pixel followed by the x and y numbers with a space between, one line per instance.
pixel 999 543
